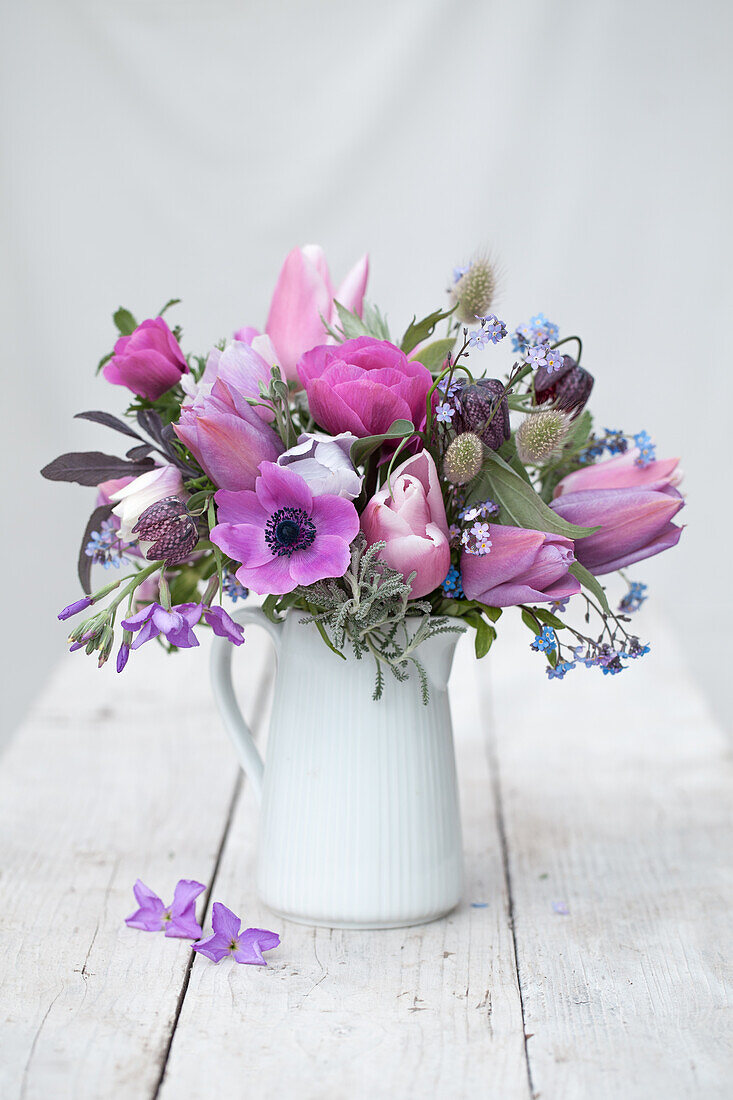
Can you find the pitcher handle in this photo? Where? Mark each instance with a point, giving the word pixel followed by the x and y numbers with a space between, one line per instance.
pixel 226 700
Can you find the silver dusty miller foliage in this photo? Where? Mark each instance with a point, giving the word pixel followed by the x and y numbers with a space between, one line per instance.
pixel 370 607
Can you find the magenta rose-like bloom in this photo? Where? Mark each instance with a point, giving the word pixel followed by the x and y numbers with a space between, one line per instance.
pixel 411 520
pixel 148 362
pixel 635 523
pixel 622 472
pixel 282 534
pixel 522 567
pixel 227 437
pixel 362 386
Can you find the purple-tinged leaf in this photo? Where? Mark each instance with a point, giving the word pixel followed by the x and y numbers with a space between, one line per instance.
pixel 92 467
pixel 98 416
pixel 141 451
pixel 84 568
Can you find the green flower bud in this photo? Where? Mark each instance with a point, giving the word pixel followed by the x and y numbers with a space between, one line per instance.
pixel 463 459
pixel 475 291
pixel 541 435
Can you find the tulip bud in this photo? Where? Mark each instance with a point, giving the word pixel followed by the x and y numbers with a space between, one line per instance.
pixel 463 459
pixel 477 411
pixel 541 435
pixel 474 291
pixel 569 386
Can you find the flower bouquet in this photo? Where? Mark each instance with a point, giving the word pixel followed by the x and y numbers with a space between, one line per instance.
pixel 381 495
pixel 388 489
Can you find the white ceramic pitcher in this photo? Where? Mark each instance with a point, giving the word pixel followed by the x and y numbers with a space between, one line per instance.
pixel 359 820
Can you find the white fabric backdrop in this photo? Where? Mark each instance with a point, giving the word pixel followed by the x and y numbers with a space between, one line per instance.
pixel 154 148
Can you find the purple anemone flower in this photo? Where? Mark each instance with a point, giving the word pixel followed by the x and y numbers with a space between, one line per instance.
pixel 229 939
pixel 177 919
pixel 282 534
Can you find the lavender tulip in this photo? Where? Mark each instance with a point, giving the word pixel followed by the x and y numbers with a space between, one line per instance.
pixel 622 472
pixel 227 437
pixel 635 523
pixel 522 566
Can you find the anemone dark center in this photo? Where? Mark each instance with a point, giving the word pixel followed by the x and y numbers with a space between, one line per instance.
pixel 289 530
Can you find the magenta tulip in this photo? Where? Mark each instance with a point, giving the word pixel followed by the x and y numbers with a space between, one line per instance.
pixel 411 520
pixel 622 472
pixel 303 298
pixel 149 361
pixel 522 566
pixel 227 437
pixel 363 386
pixel 635 523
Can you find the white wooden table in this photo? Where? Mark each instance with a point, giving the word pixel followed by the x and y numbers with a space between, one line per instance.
pixel 587 959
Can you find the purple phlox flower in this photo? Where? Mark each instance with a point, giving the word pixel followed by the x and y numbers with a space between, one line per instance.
pixel 647 450
pixel 176 624
pixel 454 532
pixel 459 272
pixel 544 642
pixel 233 589
pixel 553 360
pixel 634 598
pixel 484 510
pixel 178 919
pixel 229 939
pixel 477 338
pixel 447 388
pixel 75 607
pixel 105 546
pixel 560 669
pixel 537 355
pixel 493 329
pixel 170 529
pixel 452 585
pixel 222 624
pixel 636 649
pixel 560 606
pixel 476 540
pixel 444 413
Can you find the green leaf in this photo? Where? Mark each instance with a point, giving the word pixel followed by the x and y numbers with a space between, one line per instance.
pixel 126 323
pixel 485 636
pixel 548 618
pixel 589 581
pixel 362 448
pixel 105 359
pixel 351 323
pixel 434 355
pixel 519 504
pixel 374 322
pixel 529 620
pixel 417 331
pixel 508 451
pixel 168 304
pixel 579 432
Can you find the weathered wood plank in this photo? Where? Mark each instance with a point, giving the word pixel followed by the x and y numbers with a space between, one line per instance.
pixel 112 777
pixel 429 1011
pixel 617 806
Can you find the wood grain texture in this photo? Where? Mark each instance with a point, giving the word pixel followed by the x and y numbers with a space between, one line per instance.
pixel 110 779
pixel 426 1011
pixel 616 800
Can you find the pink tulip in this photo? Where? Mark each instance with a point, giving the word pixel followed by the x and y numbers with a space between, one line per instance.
pixel 148 362
pixel 303 295
pixel 227 437
pixel 621 472
pixel 411 520
pixel 242 367
pixel 522 566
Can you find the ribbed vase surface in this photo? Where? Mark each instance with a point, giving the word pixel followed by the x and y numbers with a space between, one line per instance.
pixel 360 823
